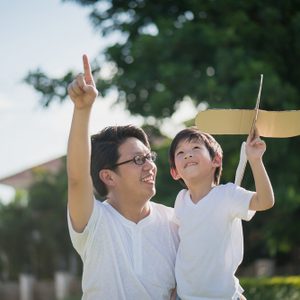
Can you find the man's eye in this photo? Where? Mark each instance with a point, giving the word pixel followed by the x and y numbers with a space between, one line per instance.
pixel 139 159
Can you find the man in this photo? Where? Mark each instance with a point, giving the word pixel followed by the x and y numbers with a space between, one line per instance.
pixel 127 243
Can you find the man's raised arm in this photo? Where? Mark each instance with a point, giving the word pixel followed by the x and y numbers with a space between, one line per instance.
pixel 83 93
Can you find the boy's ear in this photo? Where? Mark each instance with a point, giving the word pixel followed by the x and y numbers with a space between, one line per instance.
pixel 217 161
pixel 174 174
pixel 106 176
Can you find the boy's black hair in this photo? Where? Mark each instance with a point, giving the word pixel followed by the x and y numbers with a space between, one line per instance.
pixel 194 134
pixel 105 150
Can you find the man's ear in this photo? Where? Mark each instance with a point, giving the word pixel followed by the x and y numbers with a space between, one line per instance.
pixel 174 174
pixel 107 177
pixel 217 161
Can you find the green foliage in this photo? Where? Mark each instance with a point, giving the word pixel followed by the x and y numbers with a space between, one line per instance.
pixel 14 224
pixel 73 298
pixel 38 227
pixel 167 188
pixel 50 88
pixel 47 204
pixel 276 288
pixel 211 51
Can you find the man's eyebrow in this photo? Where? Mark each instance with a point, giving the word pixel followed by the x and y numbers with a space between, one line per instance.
pixel 139 153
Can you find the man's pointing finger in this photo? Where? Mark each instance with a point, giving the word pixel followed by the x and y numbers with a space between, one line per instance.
pixel 87 70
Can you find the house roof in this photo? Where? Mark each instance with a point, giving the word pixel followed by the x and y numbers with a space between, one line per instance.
pixel 23 179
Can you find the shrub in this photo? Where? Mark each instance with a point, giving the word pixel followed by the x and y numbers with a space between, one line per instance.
pixel 275 288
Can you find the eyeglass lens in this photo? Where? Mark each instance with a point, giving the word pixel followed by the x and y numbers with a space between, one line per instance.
pixel 141 159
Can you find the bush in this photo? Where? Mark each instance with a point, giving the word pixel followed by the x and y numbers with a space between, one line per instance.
pixel 73 298
pixel 275 288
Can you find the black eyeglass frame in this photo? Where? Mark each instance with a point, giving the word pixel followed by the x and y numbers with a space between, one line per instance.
pixel 139 159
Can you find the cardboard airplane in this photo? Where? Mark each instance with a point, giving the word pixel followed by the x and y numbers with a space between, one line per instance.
pixel 275 124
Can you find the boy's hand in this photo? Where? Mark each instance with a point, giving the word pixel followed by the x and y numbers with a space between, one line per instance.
pixel 82 89
pixel 255 147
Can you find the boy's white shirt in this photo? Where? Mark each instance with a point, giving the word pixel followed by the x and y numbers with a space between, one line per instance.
pixel 125 260
pixel 211 242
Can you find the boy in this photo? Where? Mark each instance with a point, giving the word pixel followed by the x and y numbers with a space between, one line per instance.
pixel 127 243
pixel 209 215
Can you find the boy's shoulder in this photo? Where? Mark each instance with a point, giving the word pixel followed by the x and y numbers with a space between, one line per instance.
pixel 226 186
pixel 181 199
pixel 181 195
pixel 230 188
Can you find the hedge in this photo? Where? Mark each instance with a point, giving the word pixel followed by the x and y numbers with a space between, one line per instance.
pixel 274 288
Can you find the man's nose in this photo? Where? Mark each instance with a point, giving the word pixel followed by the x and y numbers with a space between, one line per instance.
pixel 149 164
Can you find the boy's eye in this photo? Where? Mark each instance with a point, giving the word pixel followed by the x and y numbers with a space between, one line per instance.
pixel 179 153
pixel 196 147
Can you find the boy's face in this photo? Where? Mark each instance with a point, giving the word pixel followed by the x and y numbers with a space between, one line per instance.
pixel 193 162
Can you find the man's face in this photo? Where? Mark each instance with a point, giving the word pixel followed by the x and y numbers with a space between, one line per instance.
pixel 135 181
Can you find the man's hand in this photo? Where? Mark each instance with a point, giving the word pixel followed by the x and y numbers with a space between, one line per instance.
pixel 255 147
pixel 82 89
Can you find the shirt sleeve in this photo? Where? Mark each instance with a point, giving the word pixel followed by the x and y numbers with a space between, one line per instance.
pixel 240 199
pixel 80 239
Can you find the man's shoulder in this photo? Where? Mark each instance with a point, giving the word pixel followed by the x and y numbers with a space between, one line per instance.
pixel 101 208
pixel 162 209
pixel 160 206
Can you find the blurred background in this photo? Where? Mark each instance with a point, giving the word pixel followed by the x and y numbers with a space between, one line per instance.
pixel 156 63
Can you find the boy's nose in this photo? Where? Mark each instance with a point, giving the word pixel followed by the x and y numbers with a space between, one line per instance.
pixel 187 155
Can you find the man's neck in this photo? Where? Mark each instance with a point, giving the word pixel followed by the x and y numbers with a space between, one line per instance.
pixel 133 211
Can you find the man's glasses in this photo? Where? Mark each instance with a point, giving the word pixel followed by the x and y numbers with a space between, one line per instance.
pixel 139 159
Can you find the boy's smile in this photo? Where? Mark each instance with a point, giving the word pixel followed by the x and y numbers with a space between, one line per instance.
pixel 192 160
pixel 189 164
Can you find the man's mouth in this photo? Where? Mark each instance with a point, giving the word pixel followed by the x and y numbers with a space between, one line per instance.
pixel 148 179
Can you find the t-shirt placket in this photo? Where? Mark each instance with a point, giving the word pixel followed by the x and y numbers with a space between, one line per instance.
pixel 137 250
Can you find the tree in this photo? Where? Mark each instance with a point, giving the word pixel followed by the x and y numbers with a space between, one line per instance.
pixel 213 52
pixel 51 246
pixel 15 223
pixel 33 231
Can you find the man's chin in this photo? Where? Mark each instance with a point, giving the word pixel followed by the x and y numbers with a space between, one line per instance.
pixel 152 193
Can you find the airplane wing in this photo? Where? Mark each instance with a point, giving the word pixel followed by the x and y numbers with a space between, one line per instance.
pixel 276 124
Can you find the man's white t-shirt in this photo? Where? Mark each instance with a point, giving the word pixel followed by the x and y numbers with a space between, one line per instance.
pixel 123 260
pixel 211 242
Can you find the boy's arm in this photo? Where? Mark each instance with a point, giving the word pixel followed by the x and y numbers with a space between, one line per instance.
pixel 83 93
pixel 264 197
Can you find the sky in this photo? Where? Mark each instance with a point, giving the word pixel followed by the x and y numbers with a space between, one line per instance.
pixel 50 35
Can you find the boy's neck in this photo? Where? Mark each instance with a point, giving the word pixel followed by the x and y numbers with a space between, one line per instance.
pixel 199 191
